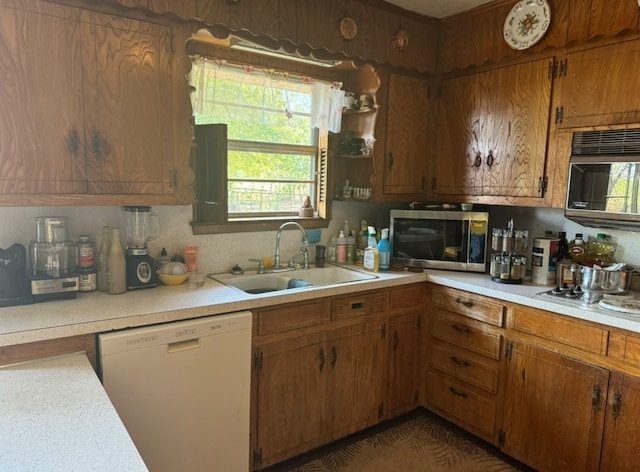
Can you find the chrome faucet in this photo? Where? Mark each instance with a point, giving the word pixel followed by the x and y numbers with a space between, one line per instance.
pixel 305 241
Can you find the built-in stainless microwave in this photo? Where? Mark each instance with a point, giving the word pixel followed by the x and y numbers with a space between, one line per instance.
pixel 603 188
pixel 439 239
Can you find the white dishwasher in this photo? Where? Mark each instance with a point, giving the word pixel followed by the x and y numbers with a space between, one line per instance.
pixel 182 390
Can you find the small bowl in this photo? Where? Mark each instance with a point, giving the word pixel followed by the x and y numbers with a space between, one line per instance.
pixel 466 206
pixel 172 279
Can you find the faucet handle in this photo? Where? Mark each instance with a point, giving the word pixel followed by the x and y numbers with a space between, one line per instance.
pixel 260 264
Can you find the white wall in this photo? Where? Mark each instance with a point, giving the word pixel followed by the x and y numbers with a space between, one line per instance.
pixel 218 253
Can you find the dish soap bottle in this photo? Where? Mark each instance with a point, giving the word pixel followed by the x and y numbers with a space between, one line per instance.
pixel 371 259
pixel 384 250
pixel 341 248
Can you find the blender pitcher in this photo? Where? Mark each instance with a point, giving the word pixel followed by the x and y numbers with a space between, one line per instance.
pixel 141 225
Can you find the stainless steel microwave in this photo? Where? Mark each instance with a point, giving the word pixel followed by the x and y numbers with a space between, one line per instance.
pixel 439 239
pixel 603 188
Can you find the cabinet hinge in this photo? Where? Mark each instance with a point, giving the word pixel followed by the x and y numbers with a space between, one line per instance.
pixel 257 361
pixel 559 114
pixel 380 410
pixel 257 457
pixel 501 438
pixel 543 183
pixel 508 350
pixel 383 331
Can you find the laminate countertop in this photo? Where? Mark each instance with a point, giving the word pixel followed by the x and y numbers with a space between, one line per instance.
pixel 56 416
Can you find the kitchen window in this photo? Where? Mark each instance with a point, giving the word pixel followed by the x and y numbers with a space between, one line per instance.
pixel 269 154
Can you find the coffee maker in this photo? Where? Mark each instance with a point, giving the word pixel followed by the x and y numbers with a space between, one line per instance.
pixel 53 260
pixel 141 225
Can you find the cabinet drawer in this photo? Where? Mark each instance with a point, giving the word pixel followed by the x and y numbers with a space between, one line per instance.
pixel 625 348
pixel 469 334
pixel 407 297
pixel 300 315
pixel 464 366
pixel 561 329
pixel 458 402
pixel 468 304
pixel 359 305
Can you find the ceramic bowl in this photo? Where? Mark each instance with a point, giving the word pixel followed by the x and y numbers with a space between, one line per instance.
pixel 172 279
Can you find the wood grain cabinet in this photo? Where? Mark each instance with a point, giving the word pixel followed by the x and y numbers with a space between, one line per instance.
pixel 91 98
pixel 597 86
pixel 464 353
pixel 327 368
pixel 491 132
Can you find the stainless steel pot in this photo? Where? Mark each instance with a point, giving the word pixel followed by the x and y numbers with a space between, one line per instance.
pixel 598 280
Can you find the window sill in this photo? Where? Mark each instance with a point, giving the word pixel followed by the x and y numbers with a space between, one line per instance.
pixel 245 226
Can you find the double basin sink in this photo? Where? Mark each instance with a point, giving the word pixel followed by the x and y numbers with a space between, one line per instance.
pixel 253 283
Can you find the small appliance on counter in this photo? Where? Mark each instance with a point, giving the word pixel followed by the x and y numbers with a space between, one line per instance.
pixel 14 283
pixel 141 225
pixel 53 260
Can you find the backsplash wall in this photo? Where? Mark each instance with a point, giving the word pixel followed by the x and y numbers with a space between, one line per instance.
pixel 218 253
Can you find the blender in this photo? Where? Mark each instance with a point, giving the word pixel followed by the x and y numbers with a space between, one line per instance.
pixel 141 225
pixel 53 260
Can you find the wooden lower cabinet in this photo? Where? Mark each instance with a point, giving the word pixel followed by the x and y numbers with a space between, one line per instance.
pixel 621 432
pixel 554 410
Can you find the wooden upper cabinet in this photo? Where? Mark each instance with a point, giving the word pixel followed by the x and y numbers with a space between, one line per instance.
pixel 41 126
pixel 405 160
pixel 491 132
pixel 128 106
pixel 91 104
pixel 599 86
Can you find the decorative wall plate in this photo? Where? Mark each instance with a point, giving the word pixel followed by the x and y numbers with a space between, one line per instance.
pixel 348 28
pixel 527 23
pixel 400 40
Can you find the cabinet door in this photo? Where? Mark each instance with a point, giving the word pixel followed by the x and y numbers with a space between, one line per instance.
pixel 41 125
pixel 128 105
pixel 458 158
pixel 405 161
pixel 554 410
pixel 404 381
pixel 356 359
pixel 621 434
pixel 292 408
pixel 516 127
pixel 598 87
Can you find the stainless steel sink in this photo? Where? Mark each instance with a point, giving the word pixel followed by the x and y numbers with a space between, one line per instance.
pixel 254 283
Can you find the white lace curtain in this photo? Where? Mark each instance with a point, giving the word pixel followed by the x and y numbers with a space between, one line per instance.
pixel 327 99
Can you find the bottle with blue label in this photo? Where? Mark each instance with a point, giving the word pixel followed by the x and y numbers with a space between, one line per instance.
pixel 384 250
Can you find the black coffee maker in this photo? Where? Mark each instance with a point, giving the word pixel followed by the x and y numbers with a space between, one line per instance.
pixel 14 283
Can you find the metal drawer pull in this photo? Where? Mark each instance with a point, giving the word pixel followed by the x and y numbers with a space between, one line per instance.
pixel 617 404
pixel 457 361
pixel 357 305
pixel 462 329
pixel 464 302
pixel 595 398
pixel 321 358
pixel 456 393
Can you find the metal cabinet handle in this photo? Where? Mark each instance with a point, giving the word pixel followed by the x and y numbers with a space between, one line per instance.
pixel 321 358
pixel 390 160
pixel 490 159
pixel 477 162
pixel 456 393
pixel 461 329
pixel 596 395
pixel 73 142
pixel 617 404
pixel 334 356
pixel 466 303
pixel 458 362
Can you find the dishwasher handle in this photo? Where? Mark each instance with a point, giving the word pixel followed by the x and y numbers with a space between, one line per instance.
pixel 185 345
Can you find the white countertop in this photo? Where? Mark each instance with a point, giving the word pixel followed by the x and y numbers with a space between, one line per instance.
pixel 94 312
pixel 56 416
pixel 528 294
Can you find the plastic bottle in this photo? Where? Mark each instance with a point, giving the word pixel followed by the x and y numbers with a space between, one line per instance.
pixel 101 262
pixel 346 229
pixel 162 259
pixel 351 249
pixel 601 249
pixel 341 248
pixel 577 249
pixel 116 266
pixel 331 249
pixel 371 260
pixel 384 250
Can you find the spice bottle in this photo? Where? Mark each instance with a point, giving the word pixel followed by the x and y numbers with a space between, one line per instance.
pixel 103 254
pixel 117 272
pixel 86 251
